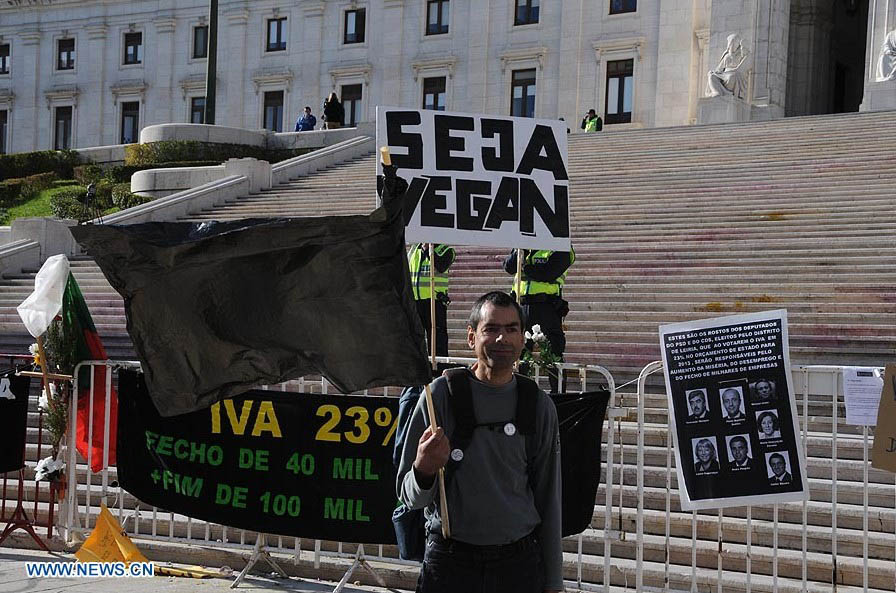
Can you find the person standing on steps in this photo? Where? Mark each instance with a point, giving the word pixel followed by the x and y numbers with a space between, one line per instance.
pixel 420 268
pixel 333 112
pixel 540 293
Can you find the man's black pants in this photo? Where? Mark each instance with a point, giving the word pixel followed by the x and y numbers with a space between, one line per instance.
pixel 456 567
pixel 441 325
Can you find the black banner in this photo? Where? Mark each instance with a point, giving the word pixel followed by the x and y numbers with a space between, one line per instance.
pixel 216 308
pixel 306 465
pixel 14 411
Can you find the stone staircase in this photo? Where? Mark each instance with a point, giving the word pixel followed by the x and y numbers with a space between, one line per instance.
pixel 670 225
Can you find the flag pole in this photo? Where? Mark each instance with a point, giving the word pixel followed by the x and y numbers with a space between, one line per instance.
pixel 430 408
pixel 43 366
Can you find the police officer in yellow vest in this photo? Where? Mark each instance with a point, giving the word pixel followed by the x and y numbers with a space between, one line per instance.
pixel 418 262
pixel 541 293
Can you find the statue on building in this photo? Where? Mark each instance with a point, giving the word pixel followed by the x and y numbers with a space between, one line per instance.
pixel 729 77
pixel 886 64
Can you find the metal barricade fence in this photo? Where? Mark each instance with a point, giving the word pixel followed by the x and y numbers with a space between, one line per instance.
pixel 818 390
pixel 40 517
pixel 87 490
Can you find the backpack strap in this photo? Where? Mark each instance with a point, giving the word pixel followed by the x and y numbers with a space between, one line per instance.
pixel 526 403
pixel 460 399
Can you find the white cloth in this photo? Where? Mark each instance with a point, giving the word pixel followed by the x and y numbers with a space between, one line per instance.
pixel 886 64
pixel 42 305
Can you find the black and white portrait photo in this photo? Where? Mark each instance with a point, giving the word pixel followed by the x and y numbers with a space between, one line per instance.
pixel 706 459
pixel 767 422
pixel 739 455
pixel 778 468
pixel 762 391
pixel 732 404
pixel 698 410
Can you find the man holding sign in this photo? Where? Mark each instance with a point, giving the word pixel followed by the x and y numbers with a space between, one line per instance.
pixel 503 489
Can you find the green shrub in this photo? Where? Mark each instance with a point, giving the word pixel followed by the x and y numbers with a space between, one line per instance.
pixel 123 199
pixel 169 151
pixel 69 204
pixel 89 173
pixel 16 191
pixel 24 164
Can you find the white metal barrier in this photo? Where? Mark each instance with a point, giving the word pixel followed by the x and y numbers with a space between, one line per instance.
pixel 817 391
pixel 87 490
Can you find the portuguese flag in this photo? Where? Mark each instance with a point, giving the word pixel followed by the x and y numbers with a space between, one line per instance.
pixel 78 328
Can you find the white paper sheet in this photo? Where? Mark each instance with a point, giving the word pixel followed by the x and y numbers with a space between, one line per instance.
pixel 862 387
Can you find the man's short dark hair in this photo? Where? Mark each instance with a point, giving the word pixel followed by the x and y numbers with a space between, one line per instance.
pixel 590 111
pixel 779 456
pixel 497 299
pixel 307 107
pixel 696 393
pixel 738 438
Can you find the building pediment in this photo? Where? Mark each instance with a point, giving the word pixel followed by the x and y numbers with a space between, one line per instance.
pixel 359 70
pixel 272 77
pixel 512 57
pixel 129 87
pixel 62 94
pixel 425 64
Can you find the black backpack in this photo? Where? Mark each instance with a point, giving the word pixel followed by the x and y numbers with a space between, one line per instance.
pixel 410 525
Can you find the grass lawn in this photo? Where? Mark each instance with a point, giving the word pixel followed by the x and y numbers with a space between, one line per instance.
pixel 39 205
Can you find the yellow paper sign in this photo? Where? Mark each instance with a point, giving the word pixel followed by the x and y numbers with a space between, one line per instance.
pixel 108 543
pixel 883 454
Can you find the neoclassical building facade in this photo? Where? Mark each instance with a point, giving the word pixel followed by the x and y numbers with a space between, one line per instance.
pixel 93 72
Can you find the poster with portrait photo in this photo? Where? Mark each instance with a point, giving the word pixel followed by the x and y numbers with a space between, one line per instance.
pixel 742 365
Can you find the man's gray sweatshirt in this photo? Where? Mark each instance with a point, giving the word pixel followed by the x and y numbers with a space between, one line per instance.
pixel 491 498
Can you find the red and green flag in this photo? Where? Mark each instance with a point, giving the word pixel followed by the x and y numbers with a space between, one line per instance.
pixel 79 330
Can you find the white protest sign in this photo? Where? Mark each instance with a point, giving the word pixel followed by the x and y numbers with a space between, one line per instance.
pixel 486 180
pixel 862 387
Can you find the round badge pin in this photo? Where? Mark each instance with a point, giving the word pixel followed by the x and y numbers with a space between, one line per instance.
pixel 457 454
pixel 509 429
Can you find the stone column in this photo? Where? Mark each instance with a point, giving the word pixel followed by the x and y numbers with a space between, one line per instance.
pixel 391 58
pixel 162 96
pixel 770 46
pixel 233 40
pixel 93 110
pixel 312 72
pixel 879 95
pixel 29 113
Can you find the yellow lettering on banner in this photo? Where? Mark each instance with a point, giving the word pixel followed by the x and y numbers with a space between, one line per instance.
pixel 216 418
pixel 266 420
pixel 238 425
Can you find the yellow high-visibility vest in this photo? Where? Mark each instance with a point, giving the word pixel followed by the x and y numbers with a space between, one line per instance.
pixel 532 287
pixel 420 270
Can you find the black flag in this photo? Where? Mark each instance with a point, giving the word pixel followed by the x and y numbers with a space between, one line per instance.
pixel 215 308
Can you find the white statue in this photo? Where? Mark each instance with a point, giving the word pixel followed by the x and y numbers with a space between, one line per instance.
pixel 886 65
pixel 729 77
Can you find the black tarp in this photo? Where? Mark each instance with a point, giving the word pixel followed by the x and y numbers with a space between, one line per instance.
pixel 215 308
pixel 14 411
pixel 324 472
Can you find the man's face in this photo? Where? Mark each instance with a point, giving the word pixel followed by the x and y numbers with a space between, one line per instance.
pixel 764 389
pixel 731 398
pixel 498 341
pixel 738 450
pixel 697 404
pixel 778 466
pixel 307 111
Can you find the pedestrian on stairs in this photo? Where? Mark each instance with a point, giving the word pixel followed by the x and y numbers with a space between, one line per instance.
pixel 592 122
pixel 418 262
pixel 333 111
pixel 306 121
pixel 540 293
